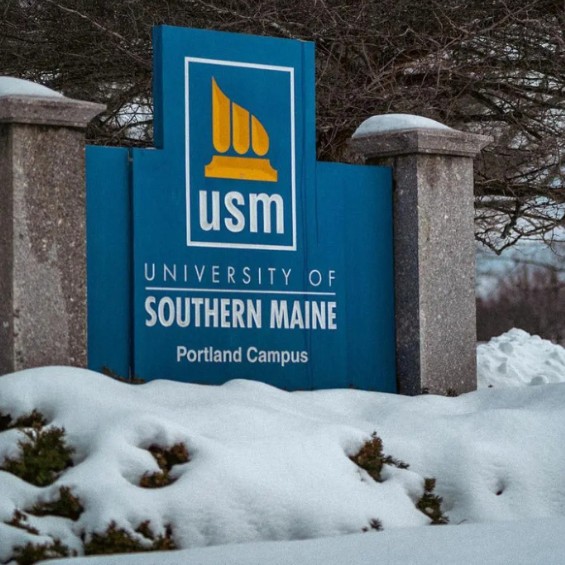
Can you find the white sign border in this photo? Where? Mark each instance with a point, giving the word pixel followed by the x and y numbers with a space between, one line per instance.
pixel 290 70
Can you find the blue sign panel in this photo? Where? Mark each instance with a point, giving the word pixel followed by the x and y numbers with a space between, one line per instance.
pixel 249 258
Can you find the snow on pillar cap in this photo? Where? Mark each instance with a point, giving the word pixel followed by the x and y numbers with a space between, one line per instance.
pixel 396 122
pixel 11 86
pixel 26 102
pixel 391 135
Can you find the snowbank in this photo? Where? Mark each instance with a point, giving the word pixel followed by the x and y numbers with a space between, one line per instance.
pixel 517 358
pixel 265 464
pixel 271 465
pixel 516 543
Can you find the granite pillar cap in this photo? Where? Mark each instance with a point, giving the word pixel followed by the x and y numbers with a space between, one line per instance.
pixel 391 135
pixel 25 102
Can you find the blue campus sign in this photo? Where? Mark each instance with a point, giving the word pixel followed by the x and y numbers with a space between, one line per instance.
pixel 238 255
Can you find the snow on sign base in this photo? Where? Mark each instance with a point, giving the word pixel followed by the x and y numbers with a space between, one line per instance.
pixel 246 256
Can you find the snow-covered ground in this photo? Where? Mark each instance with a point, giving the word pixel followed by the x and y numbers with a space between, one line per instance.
pixel 502 543
pixel 269 466
pixel 517 358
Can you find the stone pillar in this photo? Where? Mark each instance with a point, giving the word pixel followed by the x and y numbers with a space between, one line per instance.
pixel 434 248
pixel 42 226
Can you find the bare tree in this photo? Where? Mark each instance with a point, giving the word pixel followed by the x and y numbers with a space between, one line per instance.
pixel 488 66
pixel 531 298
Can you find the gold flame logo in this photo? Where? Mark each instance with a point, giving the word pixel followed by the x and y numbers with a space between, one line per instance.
pixel 233 127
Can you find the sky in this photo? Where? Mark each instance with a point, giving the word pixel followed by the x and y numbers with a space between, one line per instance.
pixel 270 477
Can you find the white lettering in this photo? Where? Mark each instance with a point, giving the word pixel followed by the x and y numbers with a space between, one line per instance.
pixel 315 277
pixel 149 302
pixel 304 315
pixel 237 222
pixel 267 201
pixel 205 224
pixel 199 274
pixel 166 312
pixel 147 276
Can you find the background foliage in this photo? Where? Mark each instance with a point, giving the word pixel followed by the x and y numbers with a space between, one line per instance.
pixel 494 67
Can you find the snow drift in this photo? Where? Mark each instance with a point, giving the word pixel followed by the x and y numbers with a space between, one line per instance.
pixel 271 465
